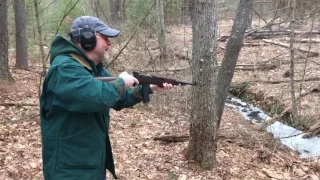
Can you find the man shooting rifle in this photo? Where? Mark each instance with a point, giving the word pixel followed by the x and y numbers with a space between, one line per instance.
pixel 74 106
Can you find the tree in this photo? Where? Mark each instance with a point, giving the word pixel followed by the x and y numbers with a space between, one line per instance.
pixel 161 28
pixel 5 74
pixel 40 38
pixel 115 12
pixel 231 54
pixel 207 109
pixel 202 145
pixel 21 34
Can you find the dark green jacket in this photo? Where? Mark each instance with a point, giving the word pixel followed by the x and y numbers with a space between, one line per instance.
pixel 74 112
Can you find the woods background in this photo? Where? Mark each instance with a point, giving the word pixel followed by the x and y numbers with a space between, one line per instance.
pixel 277 69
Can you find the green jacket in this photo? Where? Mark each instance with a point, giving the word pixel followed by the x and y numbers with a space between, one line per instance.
pixel 74 113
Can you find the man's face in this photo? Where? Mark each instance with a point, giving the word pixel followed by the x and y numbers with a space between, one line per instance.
pixel 101 49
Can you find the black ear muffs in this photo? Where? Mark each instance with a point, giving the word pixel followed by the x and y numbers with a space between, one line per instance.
pixel 88 39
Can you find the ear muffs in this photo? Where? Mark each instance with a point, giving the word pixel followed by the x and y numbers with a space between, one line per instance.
pixel 88 39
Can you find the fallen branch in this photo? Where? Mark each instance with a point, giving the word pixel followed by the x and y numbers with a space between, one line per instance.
pixel 262 67
pixel 172 138
pixel 310 53
pixel 304 40
pixel 255 44
pixel 287 81
pixel 18 104
pixel 280 32
pixel 182 138
pixel 248 44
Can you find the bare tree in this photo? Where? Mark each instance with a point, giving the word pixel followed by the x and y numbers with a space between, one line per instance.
pixel 40 38
pixel 161 29
pixel 207 109
pixel 294 110
pixel 21 34
pixel 230 58
pixel 5 74
pixel 203 121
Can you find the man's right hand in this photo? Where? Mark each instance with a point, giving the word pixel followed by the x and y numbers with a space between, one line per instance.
pixel 128 80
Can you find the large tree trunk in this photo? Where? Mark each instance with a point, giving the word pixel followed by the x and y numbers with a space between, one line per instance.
pixel 21 34
pixel 202 146
pixel 161 29
pixel 114 12
pixel 5 74
pixel 230 58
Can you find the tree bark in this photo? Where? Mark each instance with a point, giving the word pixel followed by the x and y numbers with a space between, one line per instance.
pixel 203 146
pixel 5 74
pixel 21 34
pixel 229 61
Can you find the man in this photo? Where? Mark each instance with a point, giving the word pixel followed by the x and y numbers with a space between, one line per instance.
pixel 74 107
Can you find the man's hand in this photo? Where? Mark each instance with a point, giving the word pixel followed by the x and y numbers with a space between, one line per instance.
pixel 128 80
pixel 155 88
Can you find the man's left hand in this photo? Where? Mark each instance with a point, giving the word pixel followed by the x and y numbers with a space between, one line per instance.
pixel 155 88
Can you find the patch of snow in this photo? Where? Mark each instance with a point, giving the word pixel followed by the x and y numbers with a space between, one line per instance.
pixel 289 136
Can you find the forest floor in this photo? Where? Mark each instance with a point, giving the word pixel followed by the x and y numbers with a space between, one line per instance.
pixel 245 150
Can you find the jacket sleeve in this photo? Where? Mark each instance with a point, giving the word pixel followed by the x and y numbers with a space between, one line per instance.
pixel 77 90
pixel 132 96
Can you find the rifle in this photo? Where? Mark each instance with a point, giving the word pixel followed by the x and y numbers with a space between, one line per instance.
pixel 146 80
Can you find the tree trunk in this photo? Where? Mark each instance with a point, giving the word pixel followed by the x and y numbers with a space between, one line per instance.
pixel 96 5
pixel 21 34
pixel 123 10
pixel 294 111
pixel 161 29
pixel 40 38
pixel 250 18
pixel 202 146
pixel 114 12
pixel 5 74
pixel 230 58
